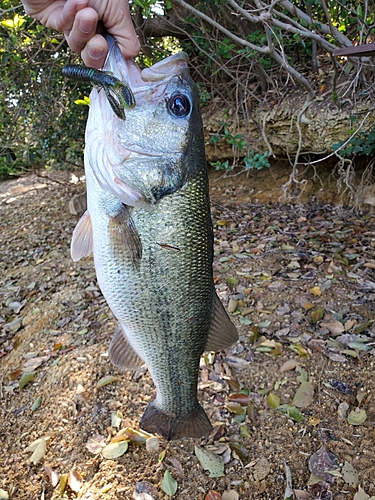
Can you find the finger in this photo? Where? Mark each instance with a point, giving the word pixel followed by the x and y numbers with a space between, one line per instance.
pixel 64 21
pixel 118 23
pixel 83 29
pixel 128 44
pixel 95 52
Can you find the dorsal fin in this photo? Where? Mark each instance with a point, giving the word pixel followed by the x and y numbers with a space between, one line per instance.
pixel 121 353
pixel 222 333
pixel 82 240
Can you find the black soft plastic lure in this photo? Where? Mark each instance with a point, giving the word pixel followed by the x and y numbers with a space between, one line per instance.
pixel 119 94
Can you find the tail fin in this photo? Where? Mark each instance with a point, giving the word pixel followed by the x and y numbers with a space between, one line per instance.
pixel 195 424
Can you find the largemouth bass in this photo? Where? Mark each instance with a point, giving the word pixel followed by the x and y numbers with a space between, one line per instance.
pixel 149 227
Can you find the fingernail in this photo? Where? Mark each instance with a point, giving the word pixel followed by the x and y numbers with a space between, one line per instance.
pixel 95 53
pixel 86 26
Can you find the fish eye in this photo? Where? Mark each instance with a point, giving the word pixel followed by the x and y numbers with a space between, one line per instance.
pixel 179 105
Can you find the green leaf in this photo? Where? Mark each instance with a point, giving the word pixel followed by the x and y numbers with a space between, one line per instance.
pixel 244 432
pixel 83 102
pixel 357 416
pixel 303 375
pixel 25 379
pixel 316 315
pixel 108 379
pixel 264 324
pixel 363 326
pixel 36 403
pixel 273 400
pixel 139 3
pixel 232 281
pixel 211 462
pixel 360 346
pixel 244 321
pixel 169 484
pixel 361 495
pixel 295 414
pixel 350 474
pixel 238 419
pixel 292 412
pixel 115 450
pixel 240 450
pixel 3 494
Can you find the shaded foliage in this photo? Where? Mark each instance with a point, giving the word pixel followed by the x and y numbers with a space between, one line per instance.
pixel 236 50
pixel 40 126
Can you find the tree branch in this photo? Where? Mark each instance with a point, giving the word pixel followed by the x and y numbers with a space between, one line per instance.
pixel 219 27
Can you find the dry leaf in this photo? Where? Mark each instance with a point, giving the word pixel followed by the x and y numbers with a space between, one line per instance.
pixel 230 495
pixel 213 495
pixel 302 495
pixel 39 451
pixel 334 327
pixel 75 481
pixel 342 410
pixel 240 398
pixel 304 395
pixel 53 475
pixel 349 324
pixel 63 483
pixel 152 445
pixel 177 465
pixel 96 444
pixel 291 364
pixel 261 469
pixel 25 379
pixel 322 463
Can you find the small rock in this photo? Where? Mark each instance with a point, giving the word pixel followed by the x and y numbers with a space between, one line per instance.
pixel 342 410
pixel 15 306
pixel 145 491
pixel 152 445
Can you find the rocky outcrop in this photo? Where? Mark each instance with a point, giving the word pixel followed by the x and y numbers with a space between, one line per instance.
pixel 283 130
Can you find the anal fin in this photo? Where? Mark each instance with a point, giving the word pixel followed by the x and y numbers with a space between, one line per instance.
pixel 82 239
pixel 122 354
pixel 222 333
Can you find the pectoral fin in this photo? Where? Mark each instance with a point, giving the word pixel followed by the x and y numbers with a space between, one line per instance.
pixel 124 236
pixel 121 353
pixel 82 240
pixel 222 333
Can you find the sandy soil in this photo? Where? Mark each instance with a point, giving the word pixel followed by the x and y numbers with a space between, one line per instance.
pixel 299 281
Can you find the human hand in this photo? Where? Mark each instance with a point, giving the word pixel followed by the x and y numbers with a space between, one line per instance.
pixel 78 20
